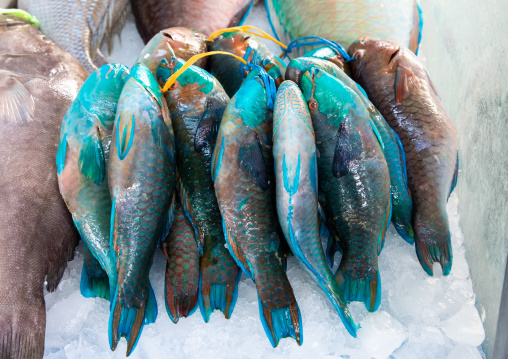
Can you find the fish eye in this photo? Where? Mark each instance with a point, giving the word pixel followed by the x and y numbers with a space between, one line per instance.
pixel 45 38
pixel 173 86
pixel 313 105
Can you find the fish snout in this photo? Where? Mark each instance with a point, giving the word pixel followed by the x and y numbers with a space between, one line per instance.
pixel 294 74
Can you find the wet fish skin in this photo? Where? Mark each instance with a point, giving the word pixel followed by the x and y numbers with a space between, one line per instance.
pixel 227 69
pixel 399 86
pixel 346 20
pixel 36 229
pixel 354 182
pixel 196 102
pixel 94 280
pixel 79 26
pixel 83 159
pixel 329 54
pixel 244 180
pixel 296 175
pixel 182 267
pixel 402 205
pixel 141 178
pixel 205 17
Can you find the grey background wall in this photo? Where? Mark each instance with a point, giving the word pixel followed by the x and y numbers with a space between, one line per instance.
pixel 465 43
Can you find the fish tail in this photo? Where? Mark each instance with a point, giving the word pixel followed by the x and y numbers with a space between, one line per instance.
pixel 281 322
pixel 221 296
pixel 428 254
pixel 404 228
pixel 94 283
pixel 129 322
pixel 178 305
pixel 361 289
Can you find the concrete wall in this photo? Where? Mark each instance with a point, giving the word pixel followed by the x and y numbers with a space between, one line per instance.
pixel 465 43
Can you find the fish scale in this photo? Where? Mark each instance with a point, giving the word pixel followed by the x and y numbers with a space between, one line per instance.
pixel 141 176
pixel 197 103
pixel 400 87
pixel 245 186
pixel 354 182
pixel 297 200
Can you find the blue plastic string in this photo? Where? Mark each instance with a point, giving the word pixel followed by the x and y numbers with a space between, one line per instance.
pixel 321 41
pixel 267 79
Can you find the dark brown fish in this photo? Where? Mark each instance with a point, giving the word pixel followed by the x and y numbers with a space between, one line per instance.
pixel 399 86
pixel 206 17
pixel 38 81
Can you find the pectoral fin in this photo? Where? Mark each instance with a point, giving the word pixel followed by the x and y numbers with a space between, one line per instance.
pixel 403 79
pixel 208 128
pixel 347 149
pixel 251 160
pixel 91 158
pixel 16 103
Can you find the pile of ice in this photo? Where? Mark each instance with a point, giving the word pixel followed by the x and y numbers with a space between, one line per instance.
pixel 420 317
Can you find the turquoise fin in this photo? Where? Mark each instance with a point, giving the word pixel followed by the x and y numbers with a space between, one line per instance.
pixel 361 290
pixel 93 286
pixel 281 323
pixel 129 322
pixel 455 176
pixel 91 159
pixel 220 297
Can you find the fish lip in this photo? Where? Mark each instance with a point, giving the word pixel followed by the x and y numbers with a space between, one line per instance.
pixel 294 74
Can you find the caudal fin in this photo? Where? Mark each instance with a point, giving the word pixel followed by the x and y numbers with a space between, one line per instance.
pixel 94 284
pixel 221 296
pixel 178 303
pixel 428 254
pixel 366 290
pixel 129 322
pixel 281 322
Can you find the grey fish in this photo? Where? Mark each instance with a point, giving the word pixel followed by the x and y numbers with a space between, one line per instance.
pixel 38 81
pixel 79 26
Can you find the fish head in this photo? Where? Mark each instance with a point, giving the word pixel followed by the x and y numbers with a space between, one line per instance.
pixel 328 99
pixel 186 43
pixel 248 47
pixel 190 88
pixel 297 67
pixel 329 54
pixel 157 49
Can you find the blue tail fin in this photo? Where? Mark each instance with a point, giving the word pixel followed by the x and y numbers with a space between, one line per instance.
pixel 129 322
pixel 93 286
pixel 361 290
pixel 218 296
pixel 281 323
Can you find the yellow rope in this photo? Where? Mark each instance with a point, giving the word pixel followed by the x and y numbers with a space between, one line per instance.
pixel 192 60
pixel 246 29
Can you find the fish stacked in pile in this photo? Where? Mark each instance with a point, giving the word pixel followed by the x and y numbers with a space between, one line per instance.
pixel 232 172
pixel 162 156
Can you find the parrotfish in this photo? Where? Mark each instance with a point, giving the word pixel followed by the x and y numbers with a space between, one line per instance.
pixel 354 182
pixel 402 205
pixel 197 102
pixel 204 16
pixel 141 178
pixel 79 26
pixel 82 163
pixel 242 169
pixel 182 267
pixel 344 21
pixel 399 86
pixel 229 71
pixel 38 81
pixel 296 178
